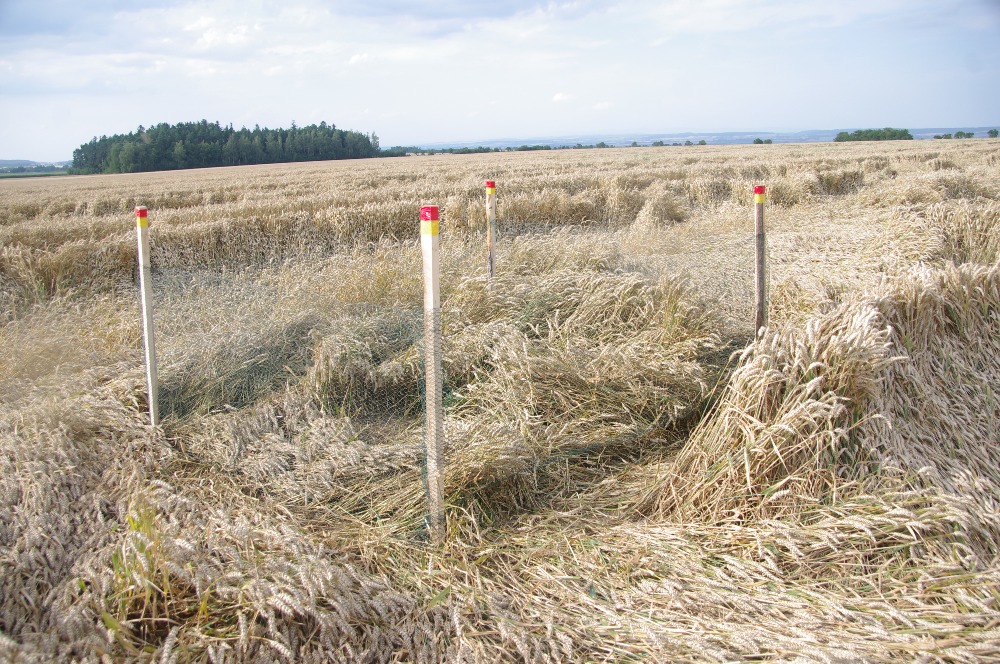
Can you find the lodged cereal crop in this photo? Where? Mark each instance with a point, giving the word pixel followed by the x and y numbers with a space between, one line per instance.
pixel 631 473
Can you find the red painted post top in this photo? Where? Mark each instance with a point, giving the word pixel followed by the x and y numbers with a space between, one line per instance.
pixel 758 189
pixel 140 211
pixel 490 184
pixel 429 213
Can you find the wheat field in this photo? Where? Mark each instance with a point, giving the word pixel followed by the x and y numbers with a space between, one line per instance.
pixel 632 474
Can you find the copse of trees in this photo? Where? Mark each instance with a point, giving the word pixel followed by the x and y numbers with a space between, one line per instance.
pixel 886 134
pixel 203 144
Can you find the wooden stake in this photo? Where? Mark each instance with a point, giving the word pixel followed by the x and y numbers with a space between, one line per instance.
pixel 434 428
pixel 491 213
pixel 760 319
pixel 146 299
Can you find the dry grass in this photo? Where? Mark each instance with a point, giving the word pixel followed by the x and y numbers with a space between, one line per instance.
pixel 620 485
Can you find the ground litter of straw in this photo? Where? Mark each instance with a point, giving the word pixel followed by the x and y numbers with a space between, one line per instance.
pixel 631 474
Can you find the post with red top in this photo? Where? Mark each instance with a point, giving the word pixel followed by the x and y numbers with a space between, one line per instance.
pixel 491 221
pixel 434 426
pixel 760 320
pixel 146 299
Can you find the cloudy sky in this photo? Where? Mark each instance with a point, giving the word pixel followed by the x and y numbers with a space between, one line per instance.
pixel 425 71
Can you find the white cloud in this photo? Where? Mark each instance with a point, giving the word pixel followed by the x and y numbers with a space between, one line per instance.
pixel 708 16
pixel 462 72
pixel 201 24
pixel 235 36
pixel 201 69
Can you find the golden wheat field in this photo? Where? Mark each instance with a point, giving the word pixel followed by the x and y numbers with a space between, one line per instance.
pixel 632 474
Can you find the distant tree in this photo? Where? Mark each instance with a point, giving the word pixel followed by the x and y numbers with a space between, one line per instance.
pixel 964 134
pixel 702 142
pixel 688 143
pixel 758 141
pixel 180 155
pixel 768 141
pixel 229 152
pixel 659 144
pixel 42 169
pixel 992 133
pixel 395 151
pixel 602 144
pixel 887 134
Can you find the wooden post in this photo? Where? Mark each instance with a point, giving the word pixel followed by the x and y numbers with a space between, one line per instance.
pixel 434 427
pixel 146 299
pixel 760 319
pixel 491 221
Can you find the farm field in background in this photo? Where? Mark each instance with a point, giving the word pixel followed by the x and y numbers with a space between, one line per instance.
pixel 631 474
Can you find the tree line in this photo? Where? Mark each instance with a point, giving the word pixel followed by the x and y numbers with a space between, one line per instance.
pixel 204 144
pixel 887 134
pixel 33 170
pixel 992 133
pixel 403 150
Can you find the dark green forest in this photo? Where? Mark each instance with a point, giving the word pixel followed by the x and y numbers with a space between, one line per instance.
pixel 203 144
pixel 887 134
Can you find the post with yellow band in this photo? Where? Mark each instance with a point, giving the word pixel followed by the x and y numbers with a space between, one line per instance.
pixel 146 300
pixel 434 426
pixel 760 319
pixel 491 222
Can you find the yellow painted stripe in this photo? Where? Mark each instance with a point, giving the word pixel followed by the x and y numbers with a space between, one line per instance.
pixel 758 198
pixel 142 222
pixel 429 227
pixel 490 190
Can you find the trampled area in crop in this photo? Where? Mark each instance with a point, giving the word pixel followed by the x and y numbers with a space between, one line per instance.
pixel 631 474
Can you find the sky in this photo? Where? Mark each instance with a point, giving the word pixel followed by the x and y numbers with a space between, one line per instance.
pixel 426 71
